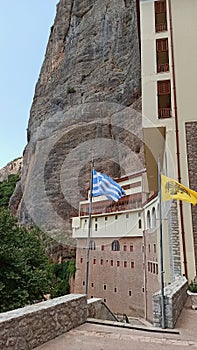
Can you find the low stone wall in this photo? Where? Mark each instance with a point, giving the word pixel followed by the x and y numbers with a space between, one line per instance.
pixel 31 326
pixel 98 309
pixel 175 296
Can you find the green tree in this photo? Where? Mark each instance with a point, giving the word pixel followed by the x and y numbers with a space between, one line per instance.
pixel 7 188
pixel 24 265
pixel 61 274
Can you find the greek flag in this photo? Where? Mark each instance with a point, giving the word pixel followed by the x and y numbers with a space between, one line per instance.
pixel 104 185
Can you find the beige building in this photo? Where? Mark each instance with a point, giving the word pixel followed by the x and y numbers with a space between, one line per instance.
pixel 116 262
pixel 169 70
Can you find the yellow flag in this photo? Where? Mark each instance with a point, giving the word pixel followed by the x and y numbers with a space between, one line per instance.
pixel 171 189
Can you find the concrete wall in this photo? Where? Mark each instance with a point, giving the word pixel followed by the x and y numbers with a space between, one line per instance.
pixel 175 298
pixel 31 326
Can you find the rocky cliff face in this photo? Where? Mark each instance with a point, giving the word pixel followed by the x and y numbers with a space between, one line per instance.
pixel 86 105
pixel 13 167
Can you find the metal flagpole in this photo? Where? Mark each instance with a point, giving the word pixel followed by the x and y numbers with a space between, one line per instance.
pixel 161 249
pixel 89 229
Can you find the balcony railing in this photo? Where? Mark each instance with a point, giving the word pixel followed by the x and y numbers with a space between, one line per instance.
pixel 164 112
pixel 161 27
pixel 163 67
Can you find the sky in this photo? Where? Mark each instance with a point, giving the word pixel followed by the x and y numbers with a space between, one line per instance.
pixel 24 33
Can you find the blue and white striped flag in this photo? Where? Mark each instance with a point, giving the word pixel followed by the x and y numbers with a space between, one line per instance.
pixel 104 185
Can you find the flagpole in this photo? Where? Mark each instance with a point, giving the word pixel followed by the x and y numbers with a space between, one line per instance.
pixel 161 249
pixel 89 229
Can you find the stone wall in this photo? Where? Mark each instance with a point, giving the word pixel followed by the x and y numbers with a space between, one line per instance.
pixel 31 326
pixel 175 298
pixel 191 140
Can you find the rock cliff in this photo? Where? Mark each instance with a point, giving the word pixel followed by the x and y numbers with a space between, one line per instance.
pixel 86 105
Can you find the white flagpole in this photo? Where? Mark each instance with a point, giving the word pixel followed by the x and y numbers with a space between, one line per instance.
pixel 161 249
pixel 89 229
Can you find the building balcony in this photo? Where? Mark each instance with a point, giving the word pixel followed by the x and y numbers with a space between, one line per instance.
pixel 161 27
pixel 163 67
pixel 164 112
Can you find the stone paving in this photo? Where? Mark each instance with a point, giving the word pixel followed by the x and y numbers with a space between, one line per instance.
pixel 105 337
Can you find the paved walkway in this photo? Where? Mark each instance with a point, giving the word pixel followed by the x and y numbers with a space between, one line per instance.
pixel 104 337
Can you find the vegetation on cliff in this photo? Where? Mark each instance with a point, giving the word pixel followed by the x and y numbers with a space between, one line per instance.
pixel 7 188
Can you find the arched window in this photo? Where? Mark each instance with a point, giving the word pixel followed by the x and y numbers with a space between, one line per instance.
pixel 148 219
pixel 139 223
pixel 153 217
pixel 115 245
pixel 92 245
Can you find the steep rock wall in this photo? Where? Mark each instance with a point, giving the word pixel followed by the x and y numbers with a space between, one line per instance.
pixel 86 105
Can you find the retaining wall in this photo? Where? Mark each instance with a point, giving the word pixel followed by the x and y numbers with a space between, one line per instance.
pixel 175 296
pixel 31 326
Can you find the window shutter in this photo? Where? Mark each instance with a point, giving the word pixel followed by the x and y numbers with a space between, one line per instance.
pixel 160 6
pixel 164 87
pixel 162 45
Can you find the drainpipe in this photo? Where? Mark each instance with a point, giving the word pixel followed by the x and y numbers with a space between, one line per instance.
pixel 177 139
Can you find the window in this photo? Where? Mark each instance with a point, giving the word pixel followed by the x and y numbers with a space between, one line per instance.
pixel 111 263
pixel 115 245
pixel 101 261
pixel 94 261
pixel 130 293
pixel 104 300
pixel 162 55
pixel 102 247
pixel 116 217
pixel 149 248
pixel 125 247
pixel 125 263
pixel 160 16
pixel 96 227
pixel 154 248
pixel 81 260
pixel 83 283
pixel 140 223
pixel 92 284
pixel 132 264
pixel 164 98
pixel 156 269
pixel 131 248
pixel 92 245
pixel 104 286
pixel 115 290
pixel 105 218
pixel 127 216
pixel 153 217
pixel 148 219
pixel 118 263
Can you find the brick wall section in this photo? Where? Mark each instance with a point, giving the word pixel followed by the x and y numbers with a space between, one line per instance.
pixel 175 298
pixel 31 326
pixel 173 229
pixel 191 141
